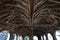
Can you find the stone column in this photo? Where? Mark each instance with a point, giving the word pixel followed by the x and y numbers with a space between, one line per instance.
pixel 39 37
pixel 46 37
pixel 43 37
pixel 31 36
pixel 53 34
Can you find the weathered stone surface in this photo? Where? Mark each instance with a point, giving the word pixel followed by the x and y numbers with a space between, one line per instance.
pixel 26 16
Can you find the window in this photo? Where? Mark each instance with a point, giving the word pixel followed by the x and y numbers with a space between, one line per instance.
pixel 4 35
pixel 26 38
pixel 35 38
pixel 57 34
pixel 13 37
pixel 20 38
pixel 41 38
pixel 44 37
pixel 50 36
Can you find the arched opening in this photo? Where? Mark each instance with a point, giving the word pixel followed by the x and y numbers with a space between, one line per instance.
pixel 26 38
pixel 4 35
pixel 20 38
pixel 35 38
pixel 13 37
pixel 44 37
pixel 41 38
pixel 57 34
pixel 49 36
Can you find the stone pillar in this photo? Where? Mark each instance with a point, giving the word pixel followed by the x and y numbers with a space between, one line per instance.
pixel 31 35
pixel 43 37
pixel 53 34
pixel 46 37
pixel 39 37
pixel 10 36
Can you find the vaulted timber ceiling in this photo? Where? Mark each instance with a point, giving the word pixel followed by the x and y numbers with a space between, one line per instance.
pixel 40 14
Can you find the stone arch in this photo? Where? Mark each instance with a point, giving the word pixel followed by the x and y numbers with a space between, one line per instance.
pixel 50 37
